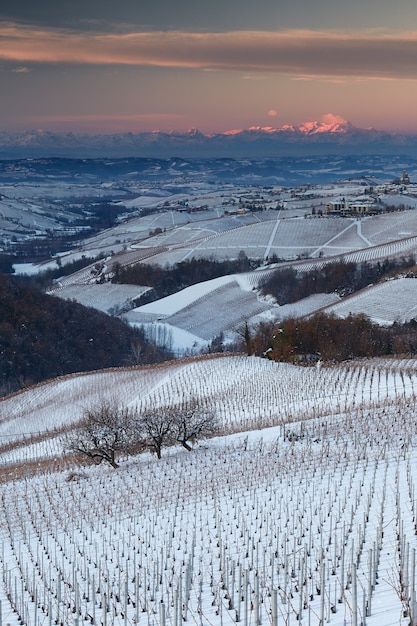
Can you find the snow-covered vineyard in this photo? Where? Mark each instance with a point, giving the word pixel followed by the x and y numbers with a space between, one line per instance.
pixel 308 515
pixel 245 393
pixel 188 321
pixel 386 303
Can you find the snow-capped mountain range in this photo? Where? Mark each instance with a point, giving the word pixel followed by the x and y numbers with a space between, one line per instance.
pixel 331 135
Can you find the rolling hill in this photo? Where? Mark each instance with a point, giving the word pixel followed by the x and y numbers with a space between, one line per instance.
pixel 42 336
pixel 305 513
pixel 300 511
pixel 197 315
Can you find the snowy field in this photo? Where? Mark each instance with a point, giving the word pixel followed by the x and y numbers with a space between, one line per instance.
pixel 211 233
pixel 108 298
pixel 222 305
pixel 386 303
pixel 390 227
pixel 287 238
pixel 305 515
pixel 274 393
pixel 203 311
pixel 26 217
pixel 198 314
pixel 302 512
pixel 285 229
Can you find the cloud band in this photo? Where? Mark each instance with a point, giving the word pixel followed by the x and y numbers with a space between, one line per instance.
pixel 300 53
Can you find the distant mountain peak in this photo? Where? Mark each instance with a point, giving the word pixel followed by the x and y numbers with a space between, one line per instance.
pixel 194 132
pixel 264 129
pixel 332 134
pixel 329 124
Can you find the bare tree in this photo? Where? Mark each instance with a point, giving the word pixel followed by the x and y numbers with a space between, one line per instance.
pixel 193 421
pixel 105 431
pixel 183 424
pixel 108 429
pixel 155 428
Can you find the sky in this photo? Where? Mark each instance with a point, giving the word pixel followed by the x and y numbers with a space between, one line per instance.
pixel 101 66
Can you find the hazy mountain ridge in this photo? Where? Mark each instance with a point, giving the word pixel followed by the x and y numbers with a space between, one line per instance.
pixel 336 135
pixel 278 170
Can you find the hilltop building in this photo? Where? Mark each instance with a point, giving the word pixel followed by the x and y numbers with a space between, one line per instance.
pixel 364 206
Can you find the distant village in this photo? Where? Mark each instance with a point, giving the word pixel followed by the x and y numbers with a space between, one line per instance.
pixel 370 199
pixel 370 203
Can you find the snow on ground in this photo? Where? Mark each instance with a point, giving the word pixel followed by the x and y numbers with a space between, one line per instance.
pixel 176 339
pixel 109 298
pixel 51 264
pixel 201 312
pixel 390 226
pixel 308 519
pixel 297 309
pixel 27 268
pixel 246 391
pixel 385 303
pixel 177 301
pixel 151 201
pixel 227 308
pixel 57 190
pixel 208 234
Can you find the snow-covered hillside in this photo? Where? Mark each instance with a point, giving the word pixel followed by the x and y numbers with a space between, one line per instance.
pixel 303 510
pixel 244 392
pixel 197 315
pixel 307 516
pixel 385 303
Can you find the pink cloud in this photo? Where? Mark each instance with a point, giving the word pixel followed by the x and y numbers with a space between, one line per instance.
pixel 295 53
pixel 331 119
pixel 272 113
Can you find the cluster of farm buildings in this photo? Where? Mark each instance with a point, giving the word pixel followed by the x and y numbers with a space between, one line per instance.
pixel 369 204
pixel 372 199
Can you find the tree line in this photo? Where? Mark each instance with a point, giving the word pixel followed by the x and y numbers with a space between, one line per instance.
pixel 168 280
pixel 110 429
pixel 42 337
pixel 44 279
pixel 287 285
pixel 330 338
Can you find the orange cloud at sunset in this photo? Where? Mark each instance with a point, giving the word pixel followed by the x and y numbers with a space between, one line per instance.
pixel 330 118
pixel 297 52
